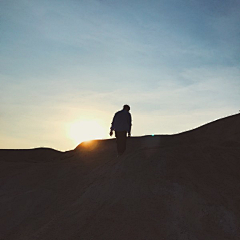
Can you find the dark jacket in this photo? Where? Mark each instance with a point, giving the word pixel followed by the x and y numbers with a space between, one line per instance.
pixel 122 121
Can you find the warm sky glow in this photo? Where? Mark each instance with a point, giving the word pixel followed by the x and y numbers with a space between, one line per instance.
pixel 85 130
pixel 64 62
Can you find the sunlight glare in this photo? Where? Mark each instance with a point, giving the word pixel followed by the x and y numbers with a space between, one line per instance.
pixel 86 130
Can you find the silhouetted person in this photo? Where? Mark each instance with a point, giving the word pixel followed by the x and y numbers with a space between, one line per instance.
pixel 121 124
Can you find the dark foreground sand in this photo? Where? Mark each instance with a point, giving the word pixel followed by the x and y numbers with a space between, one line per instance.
pixel 178 187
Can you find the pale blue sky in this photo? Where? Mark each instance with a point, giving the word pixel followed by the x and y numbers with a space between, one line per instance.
pixel 176 63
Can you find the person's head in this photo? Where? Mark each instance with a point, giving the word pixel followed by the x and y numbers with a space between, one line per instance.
pixel 126 107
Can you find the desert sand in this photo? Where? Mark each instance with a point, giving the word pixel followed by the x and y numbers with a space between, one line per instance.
pixel 174 187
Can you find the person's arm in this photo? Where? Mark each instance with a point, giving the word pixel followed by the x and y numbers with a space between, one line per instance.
pixel 112 126
pixel 130 125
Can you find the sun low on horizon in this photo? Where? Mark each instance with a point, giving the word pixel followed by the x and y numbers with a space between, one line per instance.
pixel 86 130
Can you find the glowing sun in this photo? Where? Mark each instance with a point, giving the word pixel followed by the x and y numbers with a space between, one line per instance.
pixel 85 130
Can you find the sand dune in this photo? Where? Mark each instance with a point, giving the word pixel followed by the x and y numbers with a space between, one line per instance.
pixel 174 187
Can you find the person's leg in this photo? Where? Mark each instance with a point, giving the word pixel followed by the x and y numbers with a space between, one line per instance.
pixel 123 141
pixel 118 139
pixel 121 137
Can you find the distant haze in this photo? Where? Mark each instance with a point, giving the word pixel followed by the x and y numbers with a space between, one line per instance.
pixel 67 63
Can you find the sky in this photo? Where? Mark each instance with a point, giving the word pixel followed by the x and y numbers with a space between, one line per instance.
pixel 66 66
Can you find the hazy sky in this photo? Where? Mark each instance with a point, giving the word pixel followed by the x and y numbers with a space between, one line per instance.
pixel 66 66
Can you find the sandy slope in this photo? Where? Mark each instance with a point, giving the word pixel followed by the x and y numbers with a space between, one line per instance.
pixel 184 186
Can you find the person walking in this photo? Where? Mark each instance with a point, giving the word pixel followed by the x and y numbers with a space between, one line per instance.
pixel 121 124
